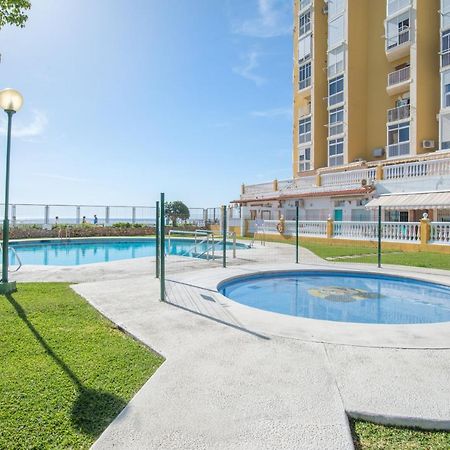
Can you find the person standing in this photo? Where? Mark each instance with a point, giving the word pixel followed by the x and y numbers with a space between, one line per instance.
pixel 95 219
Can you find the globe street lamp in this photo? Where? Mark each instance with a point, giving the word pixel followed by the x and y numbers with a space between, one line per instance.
pixel 10 101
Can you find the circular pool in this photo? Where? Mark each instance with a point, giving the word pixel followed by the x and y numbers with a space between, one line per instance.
pixel 342 296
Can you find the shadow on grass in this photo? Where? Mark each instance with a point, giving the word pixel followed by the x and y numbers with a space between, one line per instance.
pixel 92 410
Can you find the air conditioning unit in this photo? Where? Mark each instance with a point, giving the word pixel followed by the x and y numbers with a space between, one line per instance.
pixel 378 152
pixel 325 9
pixel 428 143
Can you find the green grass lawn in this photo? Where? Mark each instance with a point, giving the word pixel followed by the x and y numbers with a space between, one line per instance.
pixel 369 436
pixel 369 255
pixel 65 371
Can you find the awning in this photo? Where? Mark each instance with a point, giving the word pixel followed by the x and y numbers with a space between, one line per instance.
pixel 414 200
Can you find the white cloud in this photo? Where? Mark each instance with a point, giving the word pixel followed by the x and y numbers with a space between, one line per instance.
pixel 35 127
pixel 250 62
pixel 273 19
pixel 274 112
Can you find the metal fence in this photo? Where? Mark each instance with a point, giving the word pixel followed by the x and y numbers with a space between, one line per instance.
pixel 50 214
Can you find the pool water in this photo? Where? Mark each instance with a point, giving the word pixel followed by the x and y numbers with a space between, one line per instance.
pixel 343 296
pixel 75 252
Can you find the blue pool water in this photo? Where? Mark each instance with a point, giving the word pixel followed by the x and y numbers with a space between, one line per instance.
pixel 75 252
pixel 343 296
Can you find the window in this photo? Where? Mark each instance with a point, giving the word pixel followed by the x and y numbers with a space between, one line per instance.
pixel 445 49
pixel 335 7
pixel 305 4
pixel 445 101
pixel 397 31
pixel 393 6
pixel 445 132
pixel 304 76
pixel 398 139
pixel 445 14
pixel 336 152
pixel 304 23
pixel 304 159
pixel 336 90
pixel 335 32
pixel 336 61
pixel 336 121
pixel 304 48
pixel 304 130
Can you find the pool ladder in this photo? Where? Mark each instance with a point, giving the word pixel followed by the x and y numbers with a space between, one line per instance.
pixel 13 250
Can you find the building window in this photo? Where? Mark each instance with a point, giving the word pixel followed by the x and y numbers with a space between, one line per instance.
pixel 304 130
pixel 336 61
pixel 305 4
pixel 397 31
pixel 304 159
pixel 445 49
pixel 304 48
pixel 445 101
pixel 336 31
pixel 398 139
pixel 445 14
pixel 336 121
pixel 336 90
pixel 445 132
pixel 335 7
pixel 393 6
pixel 304 23
pixel 304 76
pixel 336 152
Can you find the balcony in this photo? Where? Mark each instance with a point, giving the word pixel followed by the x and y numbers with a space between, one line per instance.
pixel 445 59
pixel 398 44
pixel 398 81
pixel 400 113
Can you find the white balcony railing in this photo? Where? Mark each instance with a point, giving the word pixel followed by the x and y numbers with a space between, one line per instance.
pixel 440 233
pixel 399 76
pixel 335 129
pixel 400 38
pixel 399 113
pixel 394 6
pixel 437 167
pixel 445 58
pixel 349 177
pixel 259 188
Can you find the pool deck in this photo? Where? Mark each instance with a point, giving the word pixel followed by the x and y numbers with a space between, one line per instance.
pixel 233 379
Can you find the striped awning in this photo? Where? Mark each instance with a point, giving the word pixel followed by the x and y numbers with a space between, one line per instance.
pixel 414 200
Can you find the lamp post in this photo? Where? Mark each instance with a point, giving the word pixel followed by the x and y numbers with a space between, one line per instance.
pixel 10 101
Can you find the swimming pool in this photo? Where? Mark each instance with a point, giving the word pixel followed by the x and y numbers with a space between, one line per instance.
pixel 343 296
pixel 87 251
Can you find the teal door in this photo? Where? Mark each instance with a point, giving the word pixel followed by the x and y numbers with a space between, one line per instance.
pixel 338 215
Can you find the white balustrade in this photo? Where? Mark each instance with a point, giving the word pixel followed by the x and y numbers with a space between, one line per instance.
pixel 355 230
pixel 347 178
pixel 400 231
pixel 257 188
pixel 440 232
pixel 436 167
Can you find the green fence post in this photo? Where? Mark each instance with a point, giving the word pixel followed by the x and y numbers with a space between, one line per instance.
pixel 162 267
pixel 379 237
pixel 224 234
pixel 296 231
pixel 157 239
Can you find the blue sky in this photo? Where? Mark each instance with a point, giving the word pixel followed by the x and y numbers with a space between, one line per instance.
pixel 124 100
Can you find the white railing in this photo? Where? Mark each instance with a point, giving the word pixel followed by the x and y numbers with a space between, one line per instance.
pixel 400 38
pixel 399 76
pixel 440 232
pixel 349 177
pixel 436 167
pixel 356 230
pixel 258 188
pixel 400 113
pixel 394 6
pixel 312 228
pixel 400 231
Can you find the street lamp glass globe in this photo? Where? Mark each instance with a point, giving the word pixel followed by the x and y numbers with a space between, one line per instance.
pixel 10 100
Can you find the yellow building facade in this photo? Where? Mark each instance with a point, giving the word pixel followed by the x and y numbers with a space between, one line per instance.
pixel 368 83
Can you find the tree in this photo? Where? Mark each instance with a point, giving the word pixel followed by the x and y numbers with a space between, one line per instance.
pixel 12 12
pixel 176 210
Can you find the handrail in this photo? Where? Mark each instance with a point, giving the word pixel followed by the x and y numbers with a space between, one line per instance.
pixel 195 233
pixel 16 255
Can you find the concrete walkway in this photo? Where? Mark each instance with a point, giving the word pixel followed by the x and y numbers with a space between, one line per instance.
pixel 230 383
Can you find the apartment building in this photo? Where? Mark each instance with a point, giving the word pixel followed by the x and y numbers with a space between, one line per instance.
pixel 371 108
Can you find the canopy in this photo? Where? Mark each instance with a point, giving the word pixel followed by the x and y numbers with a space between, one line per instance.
pixel 413 200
